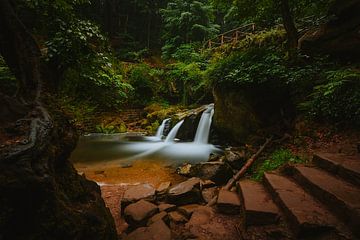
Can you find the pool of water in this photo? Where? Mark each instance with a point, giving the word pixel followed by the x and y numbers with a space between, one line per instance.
pixel 134 158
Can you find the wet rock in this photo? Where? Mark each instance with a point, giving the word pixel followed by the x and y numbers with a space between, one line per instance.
pixel 177 217
pixel 188 210
pixel 136 193
pixel 156 231
pixel 209 193
pixel 219 172
pixel 137 213
pixel 166 207
pixel 159 216
pixel 228 202
pixel 186 192
pixel 163 187
pixel 236 159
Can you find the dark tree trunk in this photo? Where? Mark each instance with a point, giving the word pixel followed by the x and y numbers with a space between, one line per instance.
pixel 291 31
pixel 42 196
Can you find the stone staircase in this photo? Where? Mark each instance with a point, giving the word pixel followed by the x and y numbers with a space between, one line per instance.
pixel 319 201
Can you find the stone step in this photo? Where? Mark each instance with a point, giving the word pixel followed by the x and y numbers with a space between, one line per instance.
pixel 304 214
pixel 341 197
pixel 257 204
pixel 348 167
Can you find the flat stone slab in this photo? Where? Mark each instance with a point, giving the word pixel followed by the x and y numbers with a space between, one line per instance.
pixel 139 212
pixel 228 202
pixel 163 187
pixel 156 231
pixel 186 192
pixel 136 193
pixel 306 215
pixel 342 197
pixel 348 167
pixel 258 205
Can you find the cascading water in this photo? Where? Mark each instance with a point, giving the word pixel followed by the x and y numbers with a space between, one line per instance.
pixel 160 130
pixel 203 130
pixel 173 132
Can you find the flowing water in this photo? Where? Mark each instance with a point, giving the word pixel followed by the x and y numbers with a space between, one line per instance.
pixel 160 131
pixel 106 158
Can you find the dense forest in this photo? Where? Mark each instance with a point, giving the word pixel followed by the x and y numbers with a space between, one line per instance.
pixel 279 69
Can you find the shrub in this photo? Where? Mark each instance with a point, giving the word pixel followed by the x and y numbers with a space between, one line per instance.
pixel 337 99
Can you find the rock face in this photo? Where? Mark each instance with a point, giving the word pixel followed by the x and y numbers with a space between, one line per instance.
pixel 339 36
pixel 43 197
pixel 185 192
pixel 241 112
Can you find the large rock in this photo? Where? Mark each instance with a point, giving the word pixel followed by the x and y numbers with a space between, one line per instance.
pixel 166 207
pixel 186 192
pixel 137 213
pixel 187 210
pixel 235 158
pixel 240 112
pixel 228 202
pixel 159 216
pixel 136 193
pixel 177 217
pixel 156 231
pixel 218 172
pixel 340 35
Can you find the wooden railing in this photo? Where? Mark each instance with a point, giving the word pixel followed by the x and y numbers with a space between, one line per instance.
pixel 232 36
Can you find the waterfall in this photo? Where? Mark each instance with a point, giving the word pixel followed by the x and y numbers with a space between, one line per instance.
pixel 160 130
pixel 203 130
pixel 172 134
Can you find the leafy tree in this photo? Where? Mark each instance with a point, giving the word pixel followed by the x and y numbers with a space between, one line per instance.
pixel 186 21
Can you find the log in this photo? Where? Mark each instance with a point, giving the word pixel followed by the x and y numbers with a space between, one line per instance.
pixel 242 171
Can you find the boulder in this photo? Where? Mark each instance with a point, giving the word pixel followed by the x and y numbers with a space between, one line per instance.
pixel 159 216
pixel 137 213
pixel 186 192
pixel 218 172
pixel 136 193
pixel 228 202
pixel 209 193
pixel 236 159
pixel 166 207
pixel 156 231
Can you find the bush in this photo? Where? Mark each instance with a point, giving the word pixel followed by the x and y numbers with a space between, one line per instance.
pixel 8 84
pixel 337 99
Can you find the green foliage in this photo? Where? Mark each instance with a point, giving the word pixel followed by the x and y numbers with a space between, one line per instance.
pixel 79 54
pixel 186 21
pixel 277 159
pixel 337 99
pixel 106 129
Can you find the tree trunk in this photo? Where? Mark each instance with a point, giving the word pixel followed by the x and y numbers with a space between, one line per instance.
pixel 291 31
pixel 42 196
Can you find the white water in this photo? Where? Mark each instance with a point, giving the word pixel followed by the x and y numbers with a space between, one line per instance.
pixel 106 148
pixel 160 130
pixel 172 134
pixel 203 130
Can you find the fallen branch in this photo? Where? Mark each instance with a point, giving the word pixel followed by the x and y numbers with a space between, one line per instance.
pixel 242 171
